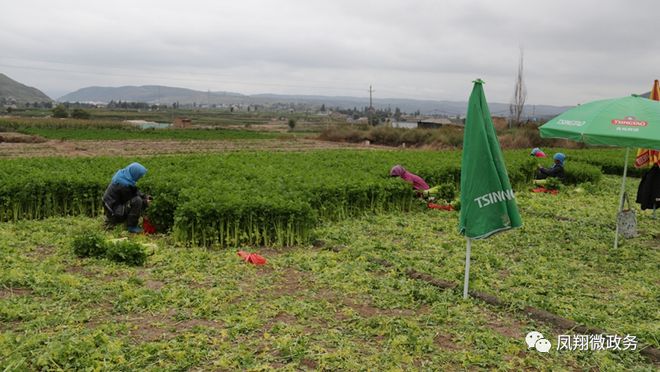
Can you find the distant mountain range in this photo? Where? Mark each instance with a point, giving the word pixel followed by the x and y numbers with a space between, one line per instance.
pixel 11 91
pixel 155 94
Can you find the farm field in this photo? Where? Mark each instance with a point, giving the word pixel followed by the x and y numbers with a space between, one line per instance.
pixel 341 239
pixel 215 117
pixel 332 304
pixel 148 134
pixel 91 148
pixel 87 130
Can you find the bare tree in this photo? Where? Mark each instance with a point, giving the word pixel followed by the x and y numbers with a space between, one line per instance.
pixel 519 96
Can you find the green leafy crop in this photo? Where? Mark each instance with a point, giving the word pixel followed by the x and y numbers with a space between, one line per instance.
pixel 89 244
pixel 259 198
pixel 126 251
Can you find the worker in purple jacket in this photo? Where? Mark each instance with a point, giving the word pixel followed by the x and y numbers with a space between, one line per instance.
pixel 416 181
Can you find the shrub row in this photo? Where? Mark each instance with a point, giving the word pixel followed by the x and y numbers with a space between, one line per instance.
pixel 448 136
pixel 269 198
pixel 611 161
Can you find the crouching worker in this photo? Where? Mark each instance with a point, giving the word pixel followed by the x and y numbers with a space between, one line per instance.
pixel 557 169
pixel 122 201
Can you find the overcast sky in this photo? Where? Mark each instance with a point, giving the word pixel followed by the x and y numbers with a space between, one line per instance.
pixel 574 51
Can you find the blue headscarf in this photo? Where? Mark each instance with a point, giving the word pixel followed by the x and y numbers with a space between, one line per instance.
pixel 129 175
pixel 560 157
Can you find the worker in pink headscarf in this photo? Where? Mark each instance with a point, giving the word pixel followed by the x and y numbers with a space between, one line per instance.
pixel 416 181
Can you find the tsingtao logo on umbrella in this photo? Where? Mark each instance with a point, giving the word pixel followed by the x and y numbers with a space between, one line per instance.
pixel 630 121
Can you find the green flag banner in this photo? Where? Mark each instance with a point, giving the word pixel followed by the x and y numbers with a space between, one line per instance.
pixel 488 204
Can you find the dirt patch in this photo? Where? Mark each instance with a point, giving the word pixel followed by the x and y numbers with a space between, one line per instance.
pixel 12 137
pixel 509 327
pixel 41 251
pixel 367 310
pixel 281 317
pixel 204 284
pixel 445 342
pixel 14 292
pixel 156 327
pixel 90 272
pixel 155 147
pixel 266 252
pixel 290 283
pixel 308 363
pixel 155 285
pixel 284 318
pixel 79 270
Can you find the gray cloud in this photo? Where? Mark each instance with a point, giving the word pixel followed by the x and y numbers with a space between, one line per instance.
pixel 575 51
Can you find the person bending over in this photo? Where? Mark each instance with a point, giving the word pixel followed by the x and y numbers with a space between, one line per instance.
pixel 416 181
pixel 122 201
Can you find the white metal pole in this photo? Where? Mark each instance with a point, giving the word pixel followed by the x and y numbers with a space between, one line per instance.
pixel 623 190
pixel 467 268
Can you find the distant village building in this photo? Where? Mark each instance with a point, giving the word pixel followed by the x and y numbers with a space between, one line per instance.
pixel 435 123
pixel 182 123
pixel 143 124
pixel 404 124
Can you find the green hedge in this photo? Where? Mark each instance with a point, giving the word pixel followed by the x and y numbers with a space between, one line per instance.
pixel 270 198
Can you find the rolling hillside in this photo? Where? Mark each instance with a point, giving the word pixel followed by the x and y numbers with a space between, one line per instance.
pixel 11 90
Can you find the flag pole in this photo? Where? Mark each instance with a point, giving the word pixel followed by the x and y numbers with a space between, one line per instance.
pixel 623 190
pixel 467 268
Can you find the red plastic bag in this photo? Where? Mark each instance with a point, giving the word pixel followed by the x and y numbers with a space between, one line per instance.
pixel 543 189
pixel 252 258
pixel 438 206
pixel 147 227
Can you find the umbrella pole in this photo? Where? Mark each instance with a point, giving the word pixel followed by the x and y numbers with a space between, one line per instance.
pixel 623 190
pixel 467 268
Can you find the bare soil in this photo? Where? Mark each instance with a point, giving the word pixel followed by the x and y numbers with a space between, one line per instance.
pixel 11 137
pixel 147 147
pixel 16 291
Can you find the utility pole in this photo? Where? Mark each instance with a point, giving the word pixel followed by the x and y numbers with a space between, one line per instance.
pixel 371 106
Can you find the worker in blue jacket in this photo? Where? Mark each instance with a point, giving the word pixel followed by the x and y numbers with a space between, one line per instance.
pixel 557 169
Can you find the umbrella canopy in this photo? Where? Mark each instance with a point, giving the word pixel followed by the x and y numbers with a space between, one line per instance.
pixel 647 157
pixel 626 122
pixel 487 200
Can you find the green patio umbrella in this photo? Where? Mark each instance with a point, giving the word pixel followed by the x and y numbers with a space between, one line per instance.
pixel 488 204
pixel 625 122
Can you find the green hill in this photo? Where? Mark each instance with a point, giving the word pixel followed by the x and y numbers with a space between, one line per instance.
pixel 11 90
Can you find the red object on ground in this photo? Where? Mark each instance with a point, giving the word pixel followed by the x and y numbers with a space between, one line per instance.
pixel 543 189
pixel 252 258
pixel 147 227
pixel 438 206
